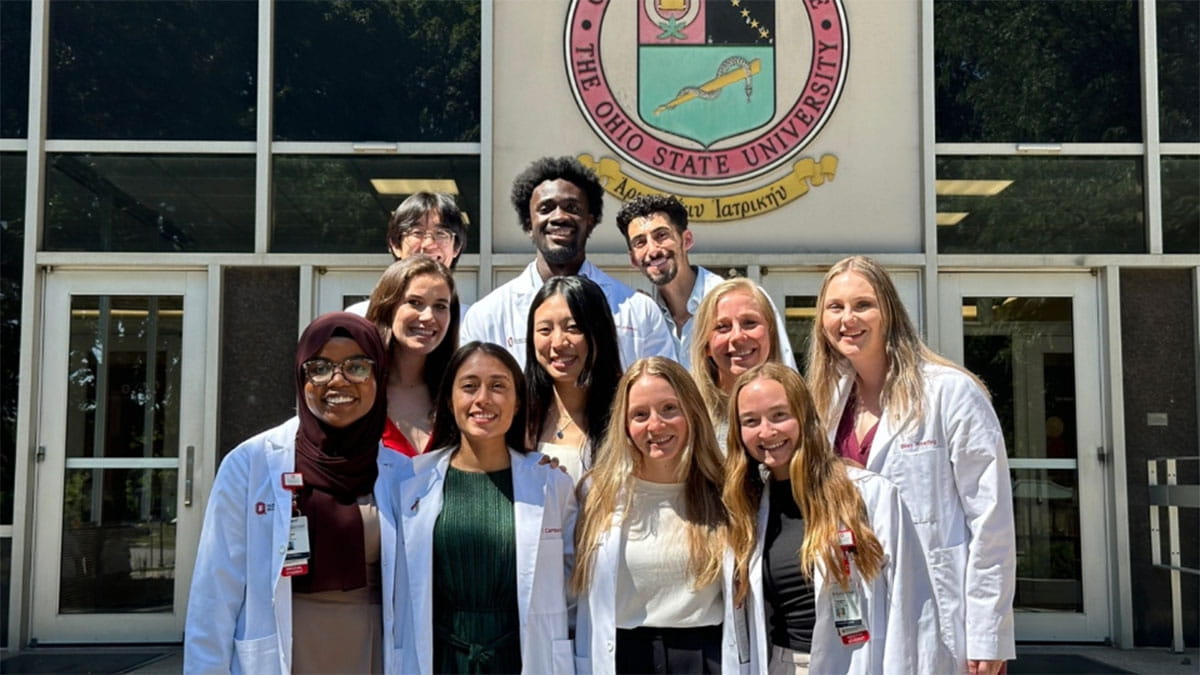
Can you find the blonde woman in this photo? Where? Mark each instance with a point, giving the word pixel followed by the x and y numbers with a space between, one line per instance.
pixel 651 535
pixel 735 331
pixel 891 404
pixel 789 499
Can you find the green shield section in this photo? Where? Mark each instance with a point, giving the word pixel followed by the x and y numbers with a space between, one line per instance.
pixel 666 75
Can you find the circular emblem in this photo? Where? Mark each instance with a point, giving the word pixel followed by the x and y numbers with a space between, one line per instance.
pixel 706 92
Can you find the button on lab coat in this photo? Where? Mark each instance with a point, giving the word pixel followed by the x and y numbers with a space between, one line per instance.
pixel 239 617
pixel 544 519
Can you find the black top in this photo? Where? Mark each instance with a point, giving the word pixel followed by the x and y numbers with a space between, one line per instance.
pixel 790 602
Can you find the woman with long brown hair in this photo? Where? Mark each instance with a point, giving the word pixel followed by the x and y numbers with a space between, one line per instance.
pixel 893 405
pixel 786 491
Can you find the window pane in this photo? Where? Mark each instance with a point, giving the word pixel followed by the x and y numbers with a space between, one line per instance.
pixel 5 583
pixel 1181 204
pixel 149 203
pixel 1040 205
pixel 12 255
pixel 328 204
pixel 178 69
pixel 1035 70
pixel 14 68
pixel 394 71
pixel 1178 70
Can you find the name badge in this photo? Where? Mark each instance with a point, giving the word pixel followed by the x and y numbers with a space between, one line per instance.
pixel 295 561
pixel 847 604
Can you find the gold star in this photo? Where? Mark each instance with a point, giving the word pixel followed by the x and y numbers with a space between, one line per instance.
pixel 754 23
pixel 736 3
pixel 745 13
pixel 763 32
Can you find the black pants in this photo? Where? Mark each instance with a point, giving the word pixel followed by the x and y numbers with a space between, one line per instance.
pixel 669 650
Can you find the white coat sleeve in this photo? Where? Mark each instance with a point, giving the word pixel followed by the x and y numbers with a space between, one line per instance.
pixel 657 339
pixel 913 641
pixel 473 325
pixel 219 578
pixel 980 466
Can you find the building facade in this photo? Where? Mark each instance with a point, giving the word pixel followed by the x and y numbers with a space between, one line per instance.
pixel 184 185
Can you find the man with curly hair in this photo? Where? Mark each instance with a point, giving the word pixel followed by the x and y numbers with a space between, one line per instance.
pixel 559 202
pixel 656 231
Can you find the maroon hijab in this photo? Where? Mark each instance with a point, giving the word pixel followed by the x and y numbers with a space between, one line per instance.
pixel 338 465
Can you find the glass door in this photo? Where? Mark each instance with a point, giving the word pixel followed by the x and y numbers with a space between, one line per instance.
pixel 121 410
pixel 1033 339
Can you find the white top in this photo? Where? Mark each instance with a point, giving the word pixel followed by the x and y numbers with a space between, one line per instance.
pixel 654 587
pixel 705 282
pixel 501 316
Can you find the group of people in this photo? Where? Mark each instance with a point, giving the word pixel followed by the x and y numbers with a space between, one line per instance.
pixel 571 476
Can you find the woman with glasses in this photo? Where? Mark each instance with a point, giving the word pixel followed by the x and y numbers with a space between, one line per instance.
pixel 488 530
pixel 300 565
pixel 415 307
pixel 572 364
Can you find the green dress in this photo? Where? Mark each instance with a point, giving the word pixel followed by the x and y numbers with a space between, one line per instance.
pixel 476 625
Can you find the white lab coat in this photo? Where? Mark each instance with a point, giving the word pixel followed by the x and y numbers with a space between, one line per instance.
pixel 705 282
pixel 544 519
pixel 501 316
pixel 952 471
pixel 239 617
pixel 596 618
pixel 899 609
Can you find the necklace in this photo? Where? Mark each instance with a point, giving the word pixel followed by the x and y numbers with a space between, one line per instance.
pixel 559 433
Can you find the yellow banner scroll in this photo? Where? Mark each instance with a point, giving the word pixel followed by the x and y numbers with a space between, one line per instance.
pixel 722 208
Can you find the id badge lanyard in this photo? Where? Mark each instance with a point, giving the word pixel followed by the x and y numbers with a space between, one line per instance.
pixel 847 603
pixel 295 561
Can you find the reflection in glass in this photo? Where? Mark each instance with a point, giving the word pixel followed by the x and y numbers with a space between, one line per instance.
pixel 800 311
pixel 5 582
pixel 1181 204
pixel 149 203
pixel 1040 205
pixel 1046 519
pixel 323 204
pixel 118 545
pixel 1003 74
pixel 1178 70
pixel 123 376
pixel 153 69
pixel 377 71
pixel 1023 350
pixel 14 68
pixel 12 256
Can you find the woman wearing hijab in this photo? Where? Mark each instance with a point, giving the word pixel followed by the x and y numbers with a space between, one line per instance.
pixel 300 566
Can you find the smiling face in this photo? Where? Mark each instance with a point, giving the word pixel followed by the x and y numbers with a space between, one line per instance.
pixel 558 341
pixel 422 316
pixel 740 338
pixel 769 430
pixel 852 321
pixel 484 398
pixel 658 248
pixel 658 428
pixel 340 402
pixel 560 222
pixel 429 238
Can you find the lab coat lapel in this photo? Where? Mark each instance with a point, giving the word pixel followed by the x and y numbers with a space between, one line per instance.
pixel 529 500
pixel 420 504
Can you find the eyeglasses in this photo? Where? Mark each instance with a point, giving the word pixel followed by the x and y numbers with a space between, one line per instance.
pixel 440 236
pixel 356 369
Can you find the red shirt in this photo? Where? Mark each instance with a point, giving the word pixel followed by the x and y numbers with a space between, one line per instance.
pixel 845 443
pixel 394 439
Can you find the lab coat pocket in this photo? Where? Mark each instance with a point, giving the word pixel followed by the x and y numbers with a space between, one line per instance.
pixel 564 657
pixel 947 572
pixel 919 475
pixel 260 655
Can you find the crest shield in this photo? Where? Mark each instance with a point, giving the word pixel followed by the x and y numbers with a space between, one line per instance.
pixel 706 68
